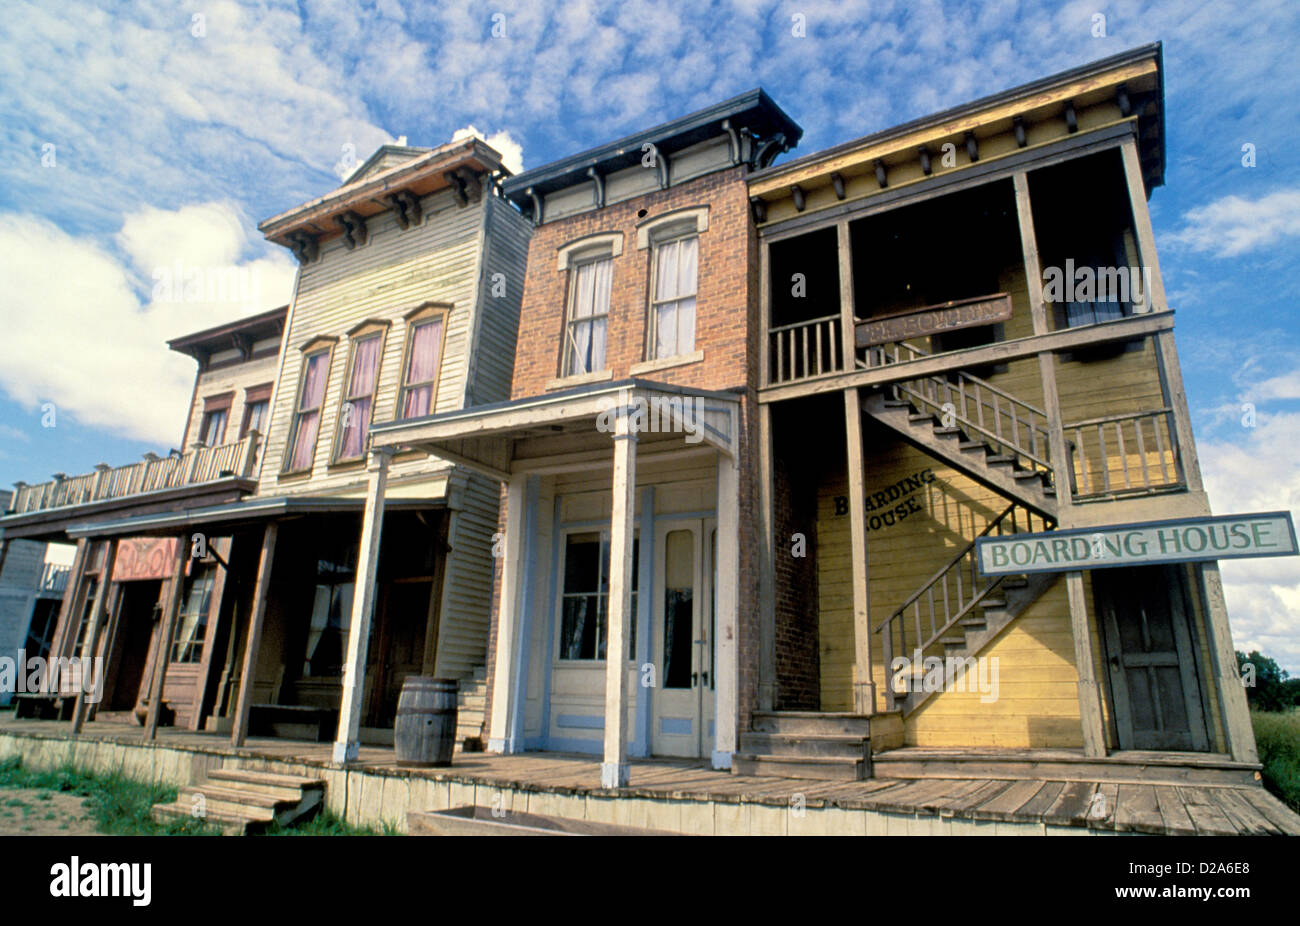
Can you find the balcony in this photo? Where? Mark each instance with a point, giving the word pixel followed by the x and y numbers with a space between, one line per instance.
pixel 196 467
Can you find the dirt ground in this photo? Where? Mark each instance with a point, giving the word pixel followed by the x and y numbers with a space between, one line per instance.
pixel 33 812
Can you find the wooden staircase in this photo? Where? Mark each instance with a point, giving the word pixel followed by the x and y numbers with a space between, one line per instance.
pixel 471 702
pixel 238 801
pixel 806 744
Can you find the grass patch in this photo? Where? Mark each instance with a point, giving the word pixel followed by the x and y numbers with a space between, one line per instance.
pixel 118 805
pixel 1277 734
pixel 323 823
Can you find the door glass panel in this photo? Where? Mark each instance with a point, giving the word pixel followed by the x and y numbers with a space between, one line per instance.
pixel 679 605
pixel 584 622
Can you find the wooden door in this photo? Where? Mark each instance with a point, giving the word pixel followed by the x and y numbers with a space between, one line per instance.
pixel 1150 658
pixel 681 643
pixel 397 646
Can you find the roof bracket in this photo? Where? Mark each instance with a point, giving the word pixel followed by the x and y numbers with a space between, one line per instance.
pixel 406 208
pixel 305 247
pixel 926 168
pixel 972 147
pixel 775 145
pixel 796 193
pixel 1019 125
pixel 759 208
pixel 882 175
pixel 537 205
pixel 837 181
pixel 354 229
pixel 735 140
pixel 599 183
pixel 1123 101
pixel 1071 119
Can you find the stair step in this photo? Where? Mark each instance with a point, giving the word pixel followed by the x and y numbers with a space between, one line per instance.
pixel 818 767
pixel 1014 583
pixel 231 806
pixel 896 403
pixel 253 800
pixel 918 417
pixel 231 824
pixel 1022 475
pixel 812 723
pixel 974 623
pixel 947 432
pixel 953 642
pixel 1000 459
pixel 266 778
pixel 972 445
pixel 803 745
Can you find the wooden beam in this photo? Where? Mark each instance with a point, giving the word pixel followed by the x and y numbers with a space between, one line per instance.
pixel 347 744
pixel 614 768
pixel 501 738
pixel 92 636
pixel 764 311
pixel 1136 326
pixel 219 548
pixel 1142 230
pixel 163 652
pixel 848 315
pixel 1094 735
pixel 253 640
pixel 63 630
pixel 1223 659
pixel 864 686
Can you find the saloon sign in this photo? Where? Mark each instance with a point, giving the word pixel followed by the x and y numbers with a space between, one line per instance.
pixel 1181 541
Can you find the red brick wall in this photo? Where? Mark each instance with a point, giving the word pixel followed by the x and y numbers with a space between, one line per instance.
pixel 721 302
pixel 726 330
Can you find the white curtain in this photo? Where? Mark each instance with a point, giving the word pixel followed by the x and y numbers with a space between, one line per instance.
pixel 676 273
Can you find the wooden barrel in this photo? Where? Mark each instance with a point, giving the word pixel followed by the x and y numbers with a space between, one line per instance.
pixel 424 732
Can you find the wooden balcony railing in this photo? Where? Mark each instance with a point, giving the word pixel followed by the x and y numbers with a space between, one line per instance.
pixel 54 578
pixel 1125 454
pixel 805 349
pixel 194 467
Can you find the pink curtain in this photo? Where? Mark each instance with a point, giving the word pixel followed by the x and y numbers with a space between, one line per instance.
pixel 422 368
pixel 356 423
pixel 313 393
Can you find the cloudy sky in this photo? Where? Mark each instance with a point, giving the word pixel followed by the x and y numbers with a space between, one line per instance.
pixel 142 145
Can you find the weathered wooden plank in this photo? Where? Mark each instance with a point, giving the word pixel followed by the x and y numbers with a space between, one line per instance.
pixel 1072 805
pixel 1205 813
pixel 1173 812
pixel 1274 810
pixel 1138 810
pixel 1241 812
pixel 1006 804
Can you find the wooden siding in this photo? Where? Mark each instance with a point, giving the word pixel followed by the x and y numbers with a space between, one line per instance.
pixel 233 379
pixel 394 272
pixel 496 319
pixel 467 586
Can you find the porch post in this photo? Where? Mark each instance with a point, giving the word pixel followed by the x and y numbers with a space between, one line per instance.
pixel 163 652
pixel 1223 659
pixel 614 769
pixel 347 744
pixel 526 578
pixel 501 738
pixel 253 640
pixel 727 593
pixel 92 637
pixel 1089 691
pixel 766 575
pixel 61 631
pixel 864 685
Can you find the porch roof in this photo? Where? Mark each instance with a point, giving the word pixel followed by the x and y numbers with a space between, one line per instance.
pixel 484 438
pixel 236 514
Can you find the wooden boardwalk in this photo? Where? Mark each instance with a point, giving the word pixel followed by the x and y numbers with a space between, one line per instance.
pixel 1104 805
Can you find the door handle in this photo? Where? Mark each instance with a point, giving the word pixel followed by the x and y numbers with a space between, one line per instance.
pixel 695 677
pixel 704 676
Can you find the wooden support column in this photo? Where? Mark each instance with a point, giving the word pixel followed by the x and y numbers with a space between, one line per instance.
pixel 91 648
pixel 64 636
pixel 163 652
pixel 614 768
pixel 501 738
pixel 1227 677
pixel 253 640
pixel 767 566
pixel 726 705
pixel 4 553
pixel 1089 691
pixel 347 744
pixel 864 686
pixel 848 320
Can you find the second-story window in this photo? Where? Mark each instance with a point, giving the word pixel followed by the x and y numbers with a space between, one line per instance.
pixel 213 429
pixel 672 300
pixel 306 419
pixel 257 408
pixel 423 360
pixel 585 329
pixel 359 396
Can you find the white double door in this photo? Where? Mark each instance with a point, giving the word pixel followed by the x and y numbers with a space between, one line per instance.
pixel 681 642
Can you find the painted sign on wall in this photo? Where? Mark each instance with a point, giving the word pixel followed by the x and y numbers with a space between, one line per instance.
pixel 1181 541
pixel 948 316
pixel 144 558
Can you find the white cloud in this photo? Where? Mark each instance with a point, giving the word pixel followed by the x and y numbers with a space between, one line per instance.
pixel 83 331
pixel 512 153
pixel 1234 225
pixel 1257 471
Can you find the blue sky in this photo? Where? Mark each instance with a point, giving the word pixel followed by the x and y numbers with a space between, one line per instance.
pixel 139 141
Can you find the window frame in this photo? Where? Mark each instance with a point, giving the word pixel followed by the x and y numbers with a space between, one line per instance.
pixel 214 405
pixel 560 661
pixel 255 395
pixel 367 331
pixel 309 350
pixel 576 263
pixel 425 313
pixel 677 232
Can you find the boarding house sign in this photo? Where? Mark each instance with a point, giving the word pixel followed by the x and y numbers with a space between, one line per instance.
pixel 935 319
pixel 1185 540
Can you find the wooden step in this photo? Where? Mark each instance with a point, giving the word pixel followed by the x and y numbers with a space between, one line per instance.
pixel 817 767
pixel 948 432
pixel 1000 459
pixel 277 779
pixel 245 804
pixel 1022 475
pixel 968 445
pixel 815 723
pixel 803 744
pixel 230 824
pixel 1063 765
pixel 991 604
pixel 953 642
pixel 918 417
